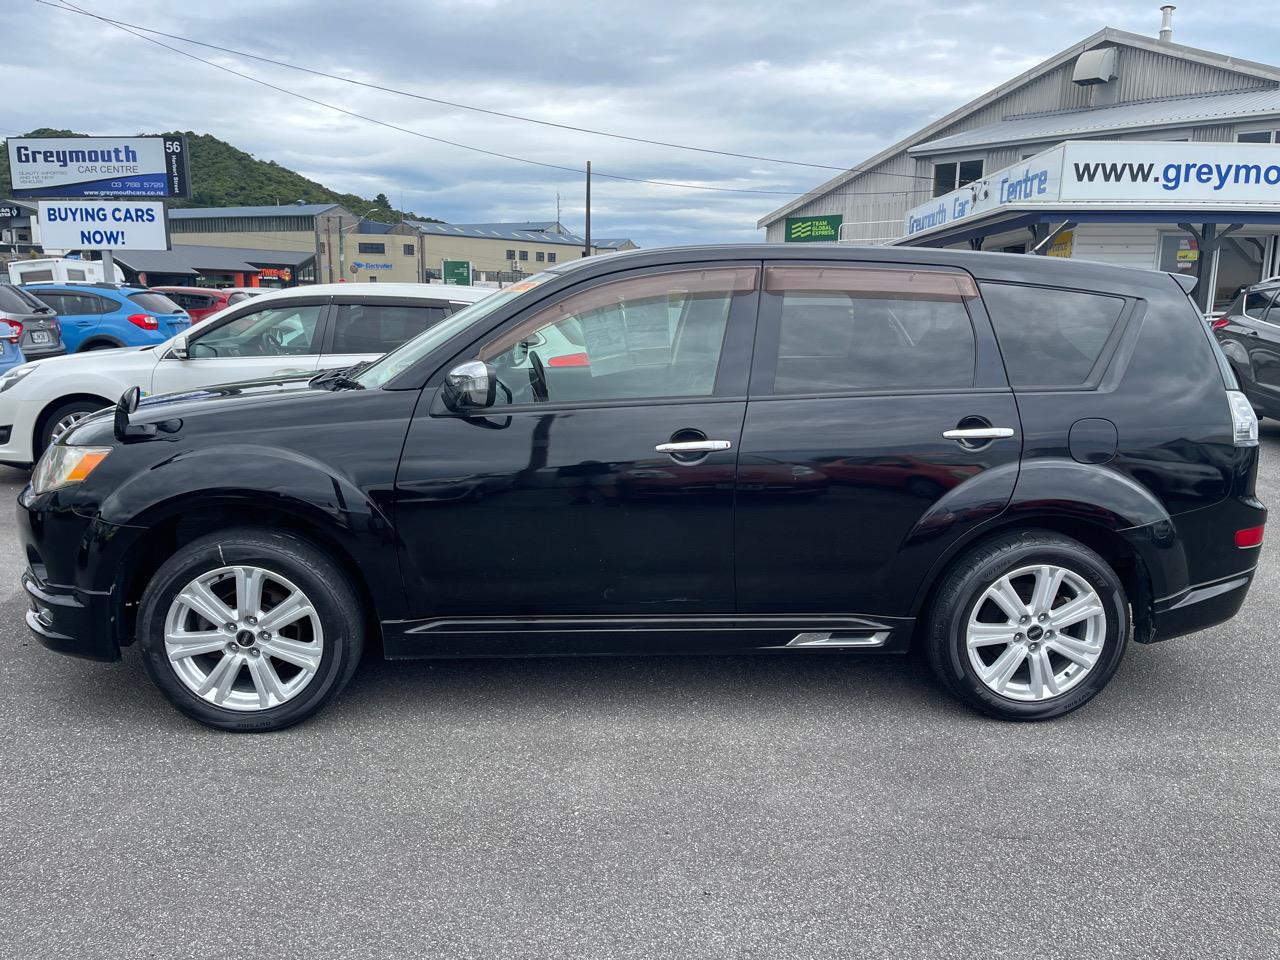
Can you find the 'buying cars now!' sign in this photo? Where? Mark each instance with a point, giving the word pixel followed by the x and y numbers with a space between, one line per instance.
pixel 813 229
pixel 103 225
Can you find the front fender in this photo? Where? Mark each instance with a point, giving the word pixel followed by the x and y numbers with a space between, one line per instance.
pixel 260 481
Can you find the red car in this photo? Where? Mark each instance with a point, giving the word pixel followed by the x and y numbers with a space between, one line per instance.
pixel 201 302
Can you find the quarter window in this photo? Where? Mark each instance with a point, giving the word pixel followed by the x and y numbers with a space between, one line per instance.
pixel 1050 337
pixel 277 331
pixel 377 328
pixel 848 329
pixel 646 337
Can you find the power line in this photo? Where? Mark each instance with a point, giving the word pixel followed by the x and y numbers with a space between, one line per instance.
pixel 451 103
pixel 67 7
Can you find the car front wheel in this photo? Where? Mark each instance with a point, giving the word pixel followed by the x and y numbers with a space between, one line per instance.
pixel 61 419
pixel 250 629
pixel 1029 626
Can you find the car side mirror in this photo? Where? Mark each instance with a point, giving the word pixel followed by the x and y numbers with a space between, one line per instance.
pixel 179 349
pixel 469 386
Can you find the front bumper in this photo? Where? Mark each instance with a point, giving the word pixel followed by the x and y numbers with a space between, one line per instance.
pixel 68 620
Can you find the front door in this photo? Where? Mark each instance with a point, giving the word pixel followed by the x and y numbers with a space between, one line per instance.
pixel 270 340
pixel 852 476
pixel 595 499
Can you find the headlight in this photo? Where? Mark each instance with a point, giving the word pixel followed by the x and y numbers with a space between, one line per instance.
pixel 15 375
pixel 61 466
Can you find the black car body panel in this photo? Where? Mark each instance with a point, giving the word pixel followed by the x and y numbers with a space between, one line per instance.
pixel 557 528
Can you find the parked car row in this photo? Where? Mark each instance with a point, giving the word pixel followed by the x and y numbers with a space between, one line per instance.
pixel 284 333
pixel 1015 463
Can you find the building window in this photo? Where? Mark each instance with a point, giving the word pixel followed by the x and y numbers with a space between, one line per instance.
pixel 541 256
pixel 524 254
pixel 1259 136
pixel 372 248
pixel 322 246
pixel 511 254
pixel 948 176
pixel 408 249
pixel 551 258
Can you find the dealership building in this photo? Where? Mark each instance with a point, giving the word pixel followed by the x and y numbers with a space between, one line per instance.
pixel 1123 148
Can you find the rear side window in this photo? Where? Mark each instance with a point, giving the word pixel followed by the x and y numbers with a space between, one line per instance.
pixel 858 328
pixel 154 302
pixel 1050 337
pixel 378 328
pixel 14 300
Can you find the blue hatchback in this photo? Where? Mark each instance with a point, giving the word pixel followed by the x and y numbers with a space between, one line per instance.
pixel 99 316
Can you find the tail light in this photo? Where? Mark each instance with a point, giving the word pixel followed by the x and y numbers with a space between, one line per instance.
pixel 10 329
pixel 570 360
pixel 144 320
pixel 1220 323
pixel 1249 537
pixel 1244 422
pixel 56 324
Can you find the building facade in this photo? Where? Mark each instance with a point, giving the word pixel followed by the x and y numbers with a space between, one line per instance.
pixel 1100 152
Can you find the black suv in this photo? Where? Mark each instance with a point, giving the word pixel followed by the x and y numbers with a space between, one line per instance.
pixel 1011 461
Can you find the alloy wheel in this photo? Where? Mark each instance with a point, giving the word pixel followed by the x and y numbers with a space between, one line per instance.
pixel 1036 632
pixel 244 638
pixel 64 424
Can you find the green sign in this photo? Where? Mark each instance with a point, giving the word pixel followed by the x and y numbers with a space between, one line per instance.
pixel 814 229
pixel 456 272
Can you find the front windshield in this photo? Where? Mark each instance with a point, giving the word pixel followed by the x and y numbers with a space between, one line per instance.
pixel 410 352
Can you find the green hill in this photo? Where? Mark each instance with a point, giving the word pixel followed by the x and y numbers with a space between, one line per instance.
pixel 222 176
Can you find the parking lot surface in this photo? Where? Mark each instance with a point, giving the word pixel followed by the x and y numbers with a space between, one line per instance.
pixel 818 806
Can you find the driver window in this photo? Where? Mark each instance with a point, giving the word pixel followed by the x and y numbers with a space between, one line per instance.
pixel 654 336
pixel 273 332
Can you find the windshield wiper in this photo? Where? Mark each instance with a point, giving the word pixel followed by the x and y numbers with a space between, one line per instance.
pixel 340 379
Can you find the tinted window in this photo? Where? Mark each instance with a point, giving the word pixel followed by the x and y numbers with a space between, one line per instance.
pixel 377 328
pixel 154 302
pixel 654 336
pixel 850 328
pixel 237 297
pixel 1050 337
pixel 14 300
pixel 77 304
pixel 54 301
pixel 274 332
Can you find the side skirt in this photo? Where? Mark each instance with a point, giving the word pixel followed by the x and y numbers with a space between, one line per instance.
pixel 637 635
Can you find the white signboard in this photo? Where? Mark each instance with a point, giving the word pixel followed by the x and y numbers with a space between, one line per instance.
pixel 1185 176
pixel 1172 172
pixel 98 167
pixel 103 225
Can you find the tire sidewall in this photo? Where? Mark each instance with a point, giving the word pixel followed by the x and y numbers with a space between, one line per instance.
pixel 62 410
pixel 340 620
pixel 1083 562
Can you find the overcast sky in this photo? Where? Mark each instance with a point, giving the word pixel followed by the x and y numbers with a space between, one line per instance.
pixel 821 81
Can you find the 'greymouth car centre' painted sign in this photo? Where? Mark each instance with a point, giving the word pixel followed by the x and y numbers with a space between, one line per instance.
pixel 98 167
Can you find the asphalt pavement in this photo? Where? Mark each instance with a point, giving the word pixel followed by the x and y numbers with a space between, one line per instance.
pixel 651 807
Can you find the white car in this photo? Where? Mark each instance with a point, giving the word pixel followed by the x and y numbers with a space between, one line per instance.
pixel 284 333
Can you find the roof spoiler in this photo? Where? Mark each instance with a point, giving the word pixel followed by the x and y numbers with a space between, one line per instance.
pixel 1185 281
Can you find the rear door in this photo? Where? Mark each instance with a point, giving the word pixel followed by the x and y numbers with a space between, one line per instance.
pixel 879 428
pixel 365 328
pixel 272 339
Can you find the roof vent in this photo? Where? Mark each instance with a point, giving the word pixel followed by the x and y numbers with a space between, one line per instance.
pixel 1166 23
pixel 1095 66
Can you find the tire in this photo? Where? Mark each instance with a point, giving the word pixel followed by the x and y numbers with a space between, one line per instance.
pixel 964 610
pixel 321 647
pixel 54 421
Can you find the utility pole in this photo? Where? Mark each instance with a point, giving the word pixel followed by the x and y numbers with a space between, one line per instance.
pixel 586 250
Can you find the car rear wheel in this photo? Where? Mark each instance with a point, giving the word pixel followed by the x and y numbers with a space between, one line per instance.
pixel 62 418
pixel 1028 626
pixel 250 629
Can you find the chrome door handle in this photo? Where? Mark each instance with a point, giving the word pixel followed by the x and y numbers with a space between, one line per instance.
pixel 979 433
pixel 694 446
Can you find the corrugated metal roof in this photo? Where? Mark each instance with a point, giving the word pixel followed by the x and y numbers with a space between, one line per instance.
pixel 282 210
pixel 610 243
pixel 494 231
pixel 191 257
pixel 1151 114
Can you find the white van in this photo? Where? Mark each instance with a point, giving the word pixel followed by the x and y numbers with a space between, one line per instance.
pixel 61 269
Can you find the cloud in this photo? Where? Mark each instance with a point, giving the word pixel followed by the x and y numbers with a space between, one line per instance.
pixel 831 83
